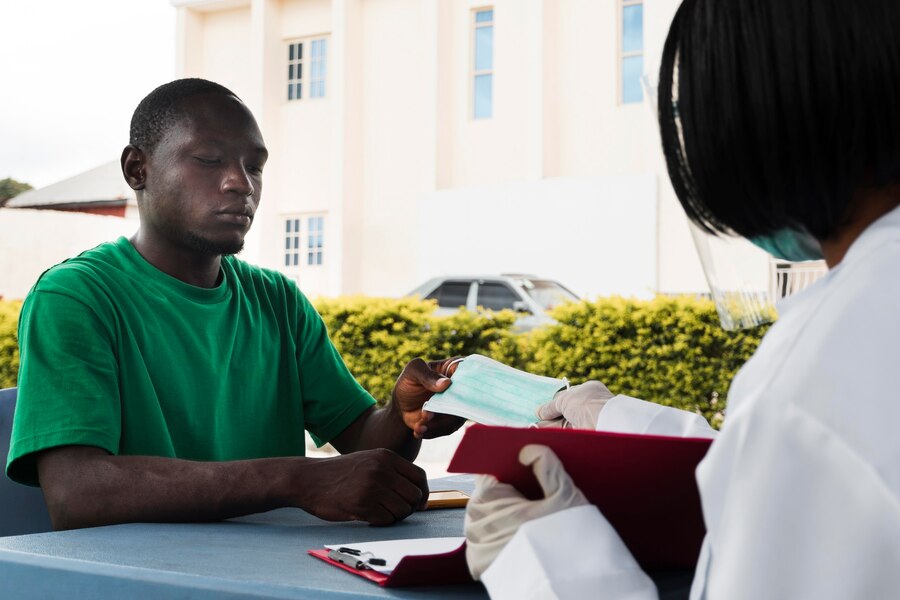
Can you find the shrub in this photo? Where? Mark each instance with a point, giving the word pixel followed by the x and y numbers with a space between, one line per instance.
pixel 9 346
pixel 672 351
pixel 378 336
pixel 668 350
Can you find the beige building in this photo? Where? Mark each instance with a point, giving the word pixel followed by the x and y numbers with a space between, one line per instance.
pixel 415 138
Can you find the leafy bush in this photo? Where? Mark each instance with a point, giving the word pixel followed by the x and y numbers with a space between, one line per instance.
pixel 668 350
pixel 378 336
pixel 672 351
pixel 9 346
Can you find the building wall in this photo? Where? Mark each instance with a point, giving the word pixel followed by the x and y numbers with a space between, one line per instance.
pixel 393 144
pixel 39 231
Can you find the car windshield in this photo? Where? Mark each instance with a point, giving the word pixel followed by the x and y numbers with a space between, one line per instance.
pixel 547 293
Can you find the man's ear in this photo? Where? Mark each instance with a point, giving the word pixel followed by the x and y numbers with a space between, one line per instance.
pixel 134 167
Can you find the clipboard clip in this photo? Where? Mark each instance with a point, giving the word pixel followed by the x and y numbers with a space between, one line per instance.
pixel 355 559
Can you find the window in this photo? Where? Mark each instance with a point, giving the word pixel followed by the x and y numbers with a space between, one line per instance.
pixel 314 239
pixel 307 61
pixel 632 51
pixel 483 64
pixel 496 296
pixel 451 294
pixel 304 241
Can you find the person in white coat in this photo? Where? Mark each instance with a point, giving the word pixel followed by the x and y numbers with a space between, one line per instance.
pixel 780 123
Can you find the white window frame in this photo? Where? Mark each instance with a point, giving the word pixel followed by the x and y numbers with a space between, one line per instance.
pixel 476 25
pixel 297 252
pixel 623 4
pixel 306 63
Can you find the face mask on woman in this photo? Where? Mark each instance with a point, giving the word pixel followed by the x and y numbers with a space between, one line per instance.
pixel 790 244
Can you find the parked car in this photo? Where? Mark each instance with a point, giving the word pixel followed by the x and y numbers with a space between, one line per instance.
pixel 527 295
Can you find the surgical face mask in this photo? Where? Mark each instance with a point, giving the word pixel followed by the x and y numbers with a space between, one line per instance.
pixel 790 244
pixel 492 393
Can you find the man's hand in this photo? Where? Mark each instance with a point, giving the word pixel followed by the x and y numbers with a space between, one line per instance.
pixel 577 407
pixel 376 486
pixel 416 384
pixel 497 510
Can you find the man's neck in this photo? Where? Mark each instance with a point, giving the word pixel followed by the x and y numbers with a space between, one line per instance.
pixel 192 267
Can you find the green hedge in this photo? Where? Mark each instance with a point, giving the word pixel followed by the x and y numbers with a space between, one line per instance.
pixel 668 350
pixel 9 347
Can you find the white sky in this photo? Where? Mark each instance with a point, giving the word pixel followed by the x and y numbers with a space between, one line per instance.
pixel 71 74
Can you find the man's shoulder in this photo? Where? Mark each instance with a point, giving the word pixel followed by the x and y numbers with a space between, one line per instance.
pixel 80 270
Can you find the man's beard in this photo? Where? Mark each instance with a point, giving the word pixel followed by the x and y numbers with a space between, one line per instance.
pixel 201 244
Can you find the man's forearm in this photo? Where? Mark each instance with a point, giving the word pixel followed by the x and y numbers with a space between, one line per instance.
pixel 379 428
pixel 86 487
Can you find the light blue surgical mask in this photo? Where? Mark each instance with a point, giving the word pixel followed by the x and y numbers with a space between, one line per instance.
pixel 790 244
pixel 491 393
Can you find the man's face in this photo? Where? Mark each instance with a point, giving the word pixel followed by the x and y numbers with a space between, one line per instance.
pixel 203 180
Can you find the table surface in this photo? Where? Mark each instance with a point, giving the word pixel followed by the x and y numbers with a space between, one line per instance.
pixel 257 556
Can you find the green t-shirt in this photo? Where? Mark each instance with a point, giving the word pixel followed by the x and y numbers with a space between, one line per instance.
pixel 117 354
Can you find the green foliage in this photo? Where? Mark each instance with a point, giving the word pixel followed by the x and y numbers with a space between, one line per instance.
pixel 378 336
pixel 9 347
pixel 672 351
pixel 669 350
pixel 10 188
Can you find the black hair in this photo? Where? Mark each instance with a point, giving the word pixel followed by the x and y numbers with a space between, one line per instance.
pixel 162 108
pixel 783 108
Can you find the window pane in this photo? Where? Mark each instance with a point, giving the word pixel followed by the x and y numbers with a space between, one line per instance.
pixel 632 68
pixel 296 241
pixel 297 225
pixel 323 47
pixel 633 28
pixel 300 71
pixel 297 94
pixel 287 260
pixel 290 52
pixel 300 50
pixel 290 92
pixel 484 48
pixel 287 226
pixel 296 259
pixel 496 296
pixel 318 258
pixel 287 243
pixel 484 91
pixel 452 294
pixel 484 16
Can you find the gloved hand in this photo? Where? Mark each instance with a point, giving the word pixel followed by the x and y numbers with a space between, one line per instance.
pixel 575 408
pixel 496 510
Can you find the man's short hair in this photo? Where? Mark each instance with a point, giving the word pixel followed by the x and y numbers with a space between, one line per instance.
pixel 163 108
pixel 783 110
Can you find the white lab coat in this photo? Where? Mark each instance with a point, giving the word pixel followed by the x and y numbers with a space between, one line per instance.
pixel 801 489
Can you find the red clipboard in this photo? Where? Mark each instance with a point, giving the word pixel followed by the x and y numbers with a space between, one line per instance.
pixel 427 569
pixel 643 484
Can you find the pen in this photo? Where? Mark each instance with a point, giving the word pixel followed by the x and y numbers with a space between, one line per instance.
pixel 350 560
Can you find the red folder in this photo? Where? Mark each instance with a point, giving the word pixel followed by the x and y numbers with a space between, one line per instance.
pixel 429 569
pixel 643 484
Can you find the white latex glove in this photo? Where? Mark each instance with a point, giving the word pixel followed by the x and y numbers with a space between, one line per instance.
pixel 496 510
pixel 575 408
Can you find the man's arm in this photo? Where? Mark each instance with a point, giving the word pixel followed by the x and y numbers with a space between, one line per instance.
pixel 86 487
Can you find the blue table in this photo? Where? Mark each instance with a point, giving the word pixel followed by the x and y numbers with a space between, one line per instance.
pixel 258 556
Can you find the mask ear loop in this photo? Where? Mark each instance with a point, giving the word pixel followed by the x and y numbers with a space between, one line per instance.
pixel 455 361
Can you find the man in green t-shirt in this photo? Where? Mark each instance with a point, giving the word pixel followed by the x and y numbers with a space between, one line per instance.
pixel 162 379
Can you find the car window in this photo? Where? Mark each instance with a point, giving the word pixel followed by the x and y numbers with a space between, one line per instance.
pixel 547 294
pixel 451 294
pixel 496 296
